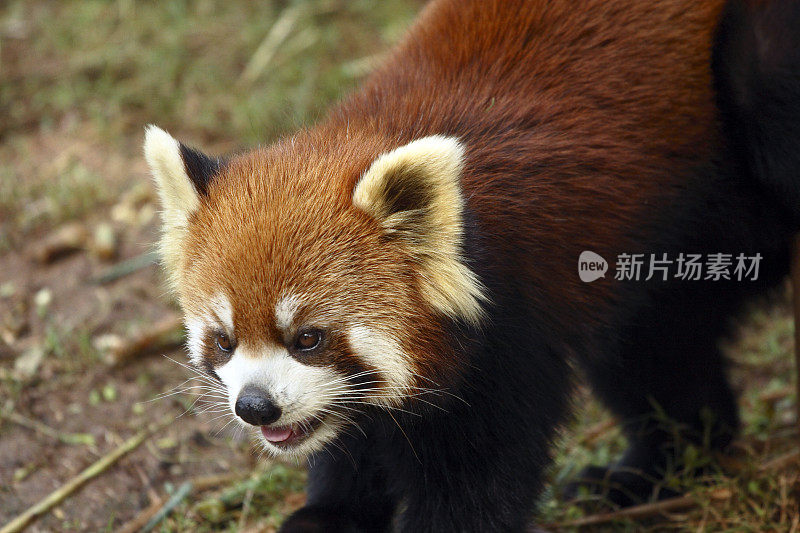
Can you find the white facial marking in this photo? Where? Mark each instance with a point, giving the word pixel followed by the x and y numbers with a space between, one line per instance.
pixel 221 307
pixel 285 310
pixel 301 391
pixel 217 313
pixel 384 353
pixel 195 330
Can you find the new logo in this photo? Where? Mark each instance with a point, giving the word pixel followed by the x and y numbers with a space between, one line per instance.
pixel 591 266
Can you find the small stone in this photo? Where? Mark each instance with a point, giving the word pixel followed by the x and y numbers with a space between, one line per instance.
pixel 124 213
pixel 14 321
pixel 8 289
pixel 146 214
pixel 26 365
pixel 108 345
pixel 68 239
pixel 166 442
pixel 104 242
pixel 42 301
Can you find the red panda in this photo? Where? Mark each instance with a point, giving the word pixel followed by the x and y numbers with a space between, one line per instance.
pixel 392 293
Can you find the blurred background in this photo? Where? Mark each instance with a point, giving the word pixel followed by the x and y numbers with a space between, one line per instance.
pixel 90 342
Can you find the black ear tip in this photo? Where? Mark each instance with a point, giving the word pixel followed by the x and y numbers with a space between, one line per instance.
pixel 200 168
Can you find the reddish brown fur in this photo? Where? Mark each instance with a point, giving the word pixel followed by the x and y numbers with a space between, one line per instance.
pixel 615 90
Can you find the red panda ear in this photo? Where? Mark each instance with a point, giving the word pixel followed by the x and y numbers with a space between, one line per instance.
pixel 414 192
pixel 200 168
pixel 181 175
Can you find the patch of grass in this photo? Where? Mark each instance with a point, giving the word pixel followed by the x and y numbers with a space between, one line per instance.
pixel 71 347
pixel 121 64
pixel 263 496
pixel 95 72
pixel 62 191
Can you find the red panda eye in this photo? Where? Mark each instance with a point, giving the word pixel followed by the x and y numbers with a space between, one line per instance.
pixel 224 342
pixel 308 340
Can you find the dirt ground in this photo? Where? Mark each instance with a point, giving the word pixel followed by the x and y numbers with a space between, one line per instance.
pixel 72 391
pixel 76 205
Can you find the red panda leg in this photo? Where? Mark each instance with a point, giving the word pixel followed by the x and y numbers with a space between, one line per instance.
pixel 668 391
pixel 343 497
pixel 480 466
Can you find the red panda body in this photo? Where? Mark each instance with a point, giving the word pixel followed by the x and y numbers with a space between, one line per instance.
pixel 395 291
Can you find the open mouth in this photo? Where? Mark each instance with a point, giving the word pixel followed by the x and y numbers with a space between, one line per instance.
pixel 292 434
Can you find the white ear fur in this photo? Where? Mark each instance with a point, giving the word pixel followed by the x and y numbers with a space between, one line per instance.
pixel 178 195
pixel 414 191
pixel 179 199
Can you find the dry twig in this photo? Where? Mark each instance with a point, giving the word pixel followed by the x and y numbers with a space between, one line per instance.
pixel 164 335
pixel 781 461
pixel 203 483
pixel 674 504
pixel 269 46
pixel 175 500
pixel 94 470
pixel 199 484
pixel 596 431
pixel 143 517
pixel 44 429
pixel 637 511
pixel 126 267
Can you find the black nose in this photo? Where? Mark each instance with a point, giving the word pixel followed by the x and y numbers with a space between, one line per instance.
pixel 256 407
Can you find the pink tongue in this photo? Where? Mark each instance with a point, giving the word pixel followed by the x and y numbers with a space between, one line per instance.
pixel 276 434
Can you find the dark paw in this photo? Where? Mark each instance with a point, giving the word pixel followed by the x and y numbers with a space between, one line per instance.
pixel 318 520
pixel 618 486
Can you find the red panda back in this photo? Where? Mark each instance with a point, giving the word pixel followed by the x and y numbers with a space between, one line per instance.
pixel 579 120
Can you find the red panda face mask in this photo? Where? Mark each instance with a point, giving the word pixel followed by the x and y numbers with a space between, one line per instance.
pixel 316 286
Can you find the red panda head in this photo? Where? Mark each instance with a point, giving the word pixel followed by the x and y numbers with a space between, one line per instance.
pixel 315 280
